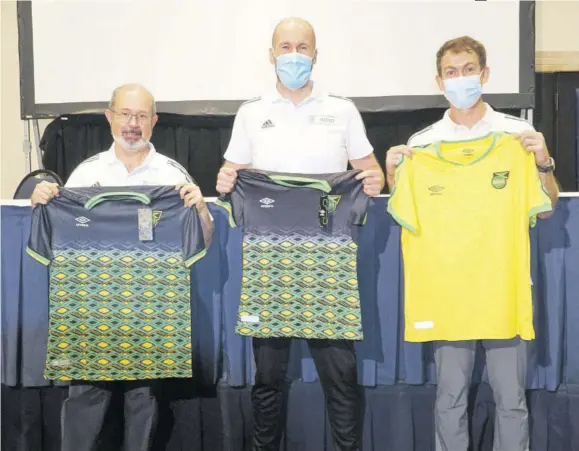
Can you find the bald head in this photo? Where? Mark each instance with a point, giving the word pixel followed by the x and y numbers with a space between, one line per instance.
pixel 294 29
pixel 133 90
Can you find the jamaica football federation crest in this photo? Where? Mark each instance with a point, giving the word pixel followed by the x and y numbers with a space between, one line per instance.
pixel 156 216
pixel 333 202
pixel 499 180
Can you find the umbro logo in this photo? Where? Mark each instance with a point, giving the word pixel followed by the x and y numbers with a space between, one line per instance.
pixel 267 124
pixel 436 189
pixel 266 202
pixel 82 221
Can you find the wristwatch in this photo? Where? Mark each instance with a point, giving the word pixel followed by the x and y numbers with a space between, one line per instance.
pixel 549 167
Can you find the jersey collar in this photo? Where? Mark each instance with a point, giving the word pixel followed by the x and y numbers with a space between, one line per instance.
pixel 488 119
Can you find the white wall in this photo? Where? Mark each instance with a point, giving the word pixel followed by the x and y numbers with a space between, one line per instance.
pixel 557 25
pixel 557 31
pixel 557 42
pixel 12 164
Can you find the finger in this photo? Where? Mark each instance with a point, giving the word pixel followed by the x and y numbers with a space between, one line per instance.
pixel 407 151
pixel 189 188
pixel 224 189
pixel 47 193
pixel 371 191
pixel 228 171
pixel 193 196
pixel 53 189
pixel 535 148
pixel 395 159
pixel 373 181
pixel 227 177
pixel 192 202
pixel 372 185
pixel 533 144
pixel 362 175
pixel 525 141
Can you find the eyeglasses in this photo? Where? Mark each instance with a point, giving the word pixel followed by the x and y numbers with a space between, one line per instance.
pixel 126 116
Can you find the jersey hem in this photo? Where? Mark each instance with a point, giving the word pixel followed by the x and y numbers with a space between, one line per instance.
pixel 524 337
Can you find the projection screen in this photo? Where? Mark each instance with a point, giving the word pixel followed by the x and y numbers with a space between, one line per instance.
pixel 207 56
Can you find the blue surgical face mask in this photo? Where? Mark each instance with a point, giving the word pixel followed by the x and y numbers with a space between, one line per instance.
pixel 463 92
pixel 294 70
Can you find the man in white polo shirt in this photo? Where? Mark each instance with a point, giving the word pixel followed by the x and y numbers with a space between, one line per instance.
pixel 298 127
pixel 462 71
pixel 131 160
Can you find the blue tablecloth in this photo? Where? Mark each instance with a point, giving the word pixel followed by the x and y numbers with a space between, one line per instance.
pixel 383 356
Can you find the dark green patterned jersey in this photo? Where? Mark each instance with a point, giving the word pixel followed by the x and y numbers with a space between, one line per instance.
pixel 299 255
pixel 119 305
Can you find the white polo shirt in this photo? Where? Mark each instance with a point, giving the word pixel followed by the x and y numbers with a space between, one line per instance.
pixel 105 169
pixel 319 135
pixel 447 130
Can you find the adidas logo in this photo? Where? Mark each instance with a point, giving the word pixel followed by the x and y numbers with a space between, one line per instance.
pixel 268 124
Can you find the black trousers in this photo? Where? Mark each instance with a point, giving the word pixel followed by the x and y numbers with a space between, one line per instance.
pixel 335 362
pixel 84 410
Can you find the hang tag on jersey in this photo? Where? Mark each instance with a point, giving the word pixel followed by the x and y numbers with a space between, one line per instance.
pixel 323 211
pixel 145 224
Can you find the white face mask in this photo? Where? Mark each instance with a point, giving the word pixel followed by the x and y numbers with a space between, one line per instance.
pixel 134 146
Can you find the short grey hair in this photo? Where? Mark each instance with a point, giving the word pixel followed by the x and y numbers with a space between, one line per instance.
pixel 128 87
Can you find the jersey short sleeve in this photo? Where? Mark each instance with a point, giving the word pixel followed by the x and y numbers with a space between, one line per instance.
pixel 347 183
pixel 538 201
pixel 192 238
pixel 359 208
pixel 402 203
pixel 357 143
pixel 239 151
pixel 233 204
pixel 39 244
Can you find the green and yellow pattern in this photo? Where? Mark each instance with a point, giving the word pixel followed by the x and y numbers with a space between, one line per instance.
pixel 297 284
pixel 121 313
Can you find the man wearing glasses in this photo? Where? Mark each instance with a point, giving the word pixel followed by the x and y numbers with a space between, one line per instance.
pixel 131 161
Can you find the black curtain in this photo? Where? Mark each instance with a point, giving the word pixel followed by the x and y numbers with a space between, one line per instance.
pixel 397 418
pixel 198 143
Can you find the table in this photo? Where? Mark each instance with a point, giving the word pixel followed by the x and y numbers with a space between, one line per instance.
pixel 398 377
pixel 383 356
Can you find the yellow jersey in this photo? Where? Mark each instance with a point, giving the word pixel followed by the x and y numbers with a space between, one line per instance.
pixel 465 209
